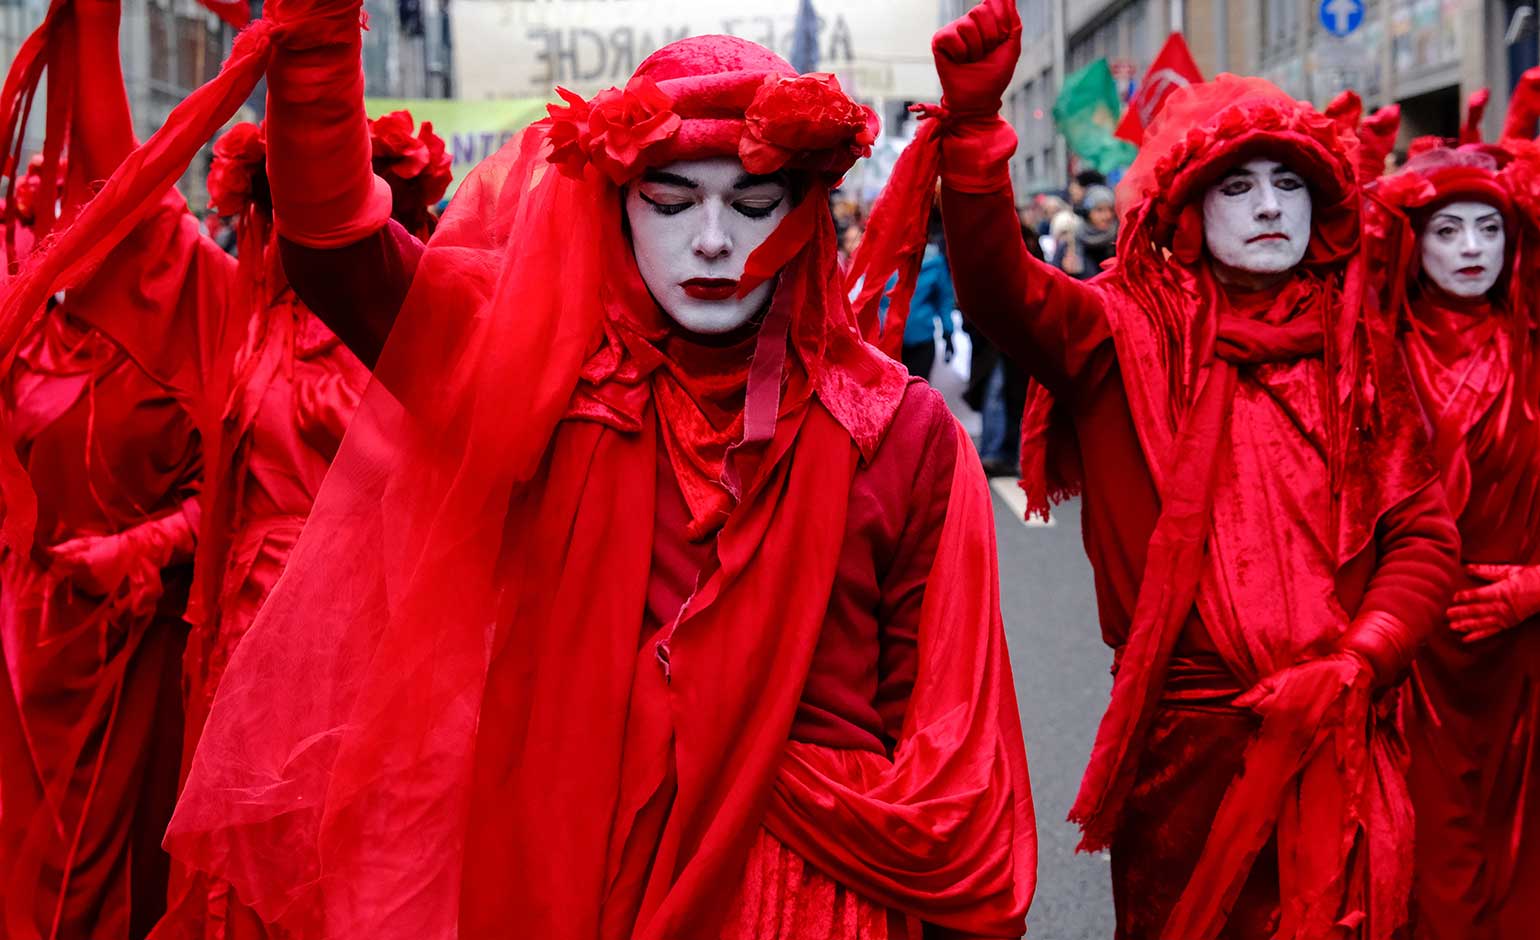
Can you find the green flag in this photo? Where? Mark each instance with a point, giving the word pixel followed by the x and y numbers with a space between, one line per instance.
pixel 1087 113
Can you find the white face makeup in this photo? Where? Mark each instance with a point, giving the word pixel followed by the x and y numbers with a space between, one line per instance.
pixel 693 226
pixel 1256 218
pixel 1462 248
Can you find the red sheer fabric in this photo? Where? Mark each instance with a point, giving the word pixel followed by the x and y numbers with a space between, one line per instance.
pixel 400 785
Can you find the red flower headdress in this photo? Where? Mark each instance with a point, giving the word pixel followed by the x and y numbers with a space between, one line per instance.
pixel 417 167
pixel 797 122
pixel 238 175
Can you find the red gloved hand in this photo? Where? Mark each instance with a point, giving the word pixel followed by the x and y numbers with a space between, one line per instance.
pixel 976 58
pixel 319 158
pixel 1524 107
pixel 1304 693
pixel 324 408
pixel 1512 597
pixel 128 561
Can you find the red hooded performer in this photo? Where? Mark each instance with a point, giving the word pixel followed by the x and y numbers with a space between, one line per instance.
pixel 607 621
pixel 1269 540
pixel 272 389
pixel 1457 242
pixel 90 608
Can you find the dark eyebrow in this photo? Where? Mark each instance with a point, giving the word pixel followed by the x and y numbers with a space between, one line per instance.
pixel 750 180
pixel 1238 171
pixel 1450 217
pixel 669 179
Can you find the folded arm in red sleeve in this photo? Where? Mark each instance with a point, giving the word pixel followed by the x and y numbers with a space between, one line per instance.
pixel 1419 550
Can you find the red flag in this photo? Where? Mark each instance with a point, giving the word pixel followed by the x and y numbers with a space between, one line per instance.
pixel 1173 68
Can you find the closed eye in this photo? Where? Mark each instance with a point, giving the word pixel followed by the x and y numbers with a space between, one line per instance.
pixel 758 208
pixel 664 205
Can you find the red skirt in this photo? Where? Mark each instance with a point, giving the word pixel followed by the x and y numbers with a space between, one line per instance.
pixel 783 898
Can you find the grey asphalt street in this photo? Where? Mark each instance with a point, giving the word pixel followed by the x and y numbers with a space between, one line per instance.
pixel 1060 666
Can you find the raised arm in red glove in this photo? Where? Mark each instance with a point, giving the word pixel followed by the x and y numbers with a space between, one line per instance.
pixel 325 193
pixel 976 57
pixel 103 132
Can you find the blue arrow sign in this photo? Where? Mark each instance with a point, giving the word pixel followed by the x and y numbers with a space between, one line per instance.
pixel 1341 17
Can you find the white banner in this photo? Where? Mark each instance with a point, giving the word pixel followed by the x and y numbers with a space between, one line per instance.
pixel 523 48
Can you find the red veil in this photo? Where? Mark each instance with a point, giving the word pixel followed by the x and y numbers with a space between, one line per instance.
pixel 421 736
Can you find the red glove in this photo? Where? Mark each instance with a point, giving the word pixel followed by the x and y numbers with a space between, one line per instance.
pixel 1524 107
pixel 1383 641
pixel 128 561
pixel 325 193
pixel 1305 692
pixel 975 59
pixel 324 407
pixel 1512 597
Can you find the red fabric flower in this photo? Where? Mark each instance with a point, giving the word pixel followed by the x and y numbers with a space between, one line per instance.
pixel 569 132
pixel 808 122
pixel 417 167
pixel 615 131
pixel 239 157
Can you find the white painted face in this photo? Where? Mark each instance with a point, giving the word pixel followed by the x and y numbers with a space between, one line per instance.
pixel 1256 218
pixel 1462 248
pixel 694 224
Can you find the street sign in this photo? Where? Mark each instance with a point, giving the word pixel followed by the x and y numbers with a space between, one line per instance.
pixel 1341 17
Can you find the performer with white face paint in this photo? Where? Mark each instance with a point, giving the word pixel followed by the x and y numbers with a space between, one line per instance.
pixel 1268 536
pixel 643 599
pixel 1456 246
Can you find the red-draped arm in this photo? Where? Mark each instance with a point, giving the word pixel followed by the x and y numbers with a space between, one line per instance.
pixel 1046 321
pixel 103 131
pixel 904 583
pixel 358 289
pixel 1419 551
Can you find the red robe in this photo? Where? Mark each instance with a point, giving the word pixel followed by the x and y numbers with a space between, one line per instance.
pixel 277 390
pixel 87 789
pixel 703 706
pixel 1271 478
pixel 1473 710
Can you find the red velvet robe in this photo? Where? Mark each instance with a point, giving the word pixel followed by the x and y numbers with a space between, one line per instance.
pixel 275 390
pixel 1272 478
pixel 1473 710
pixel 88 773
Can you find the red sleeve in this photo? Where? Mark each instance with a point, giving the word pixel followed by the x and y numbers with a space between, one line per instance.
pixel 103 132
pixel 1419 556
pixel 1047 322
pixel 903 585
pixel 357 290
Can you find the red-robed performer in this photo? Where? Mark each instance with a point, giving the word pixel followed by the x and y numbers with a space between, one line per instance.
pixel 643 599
pixel 90 628
pixel 1268 537
pixel 272 387
pixel 1459 249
